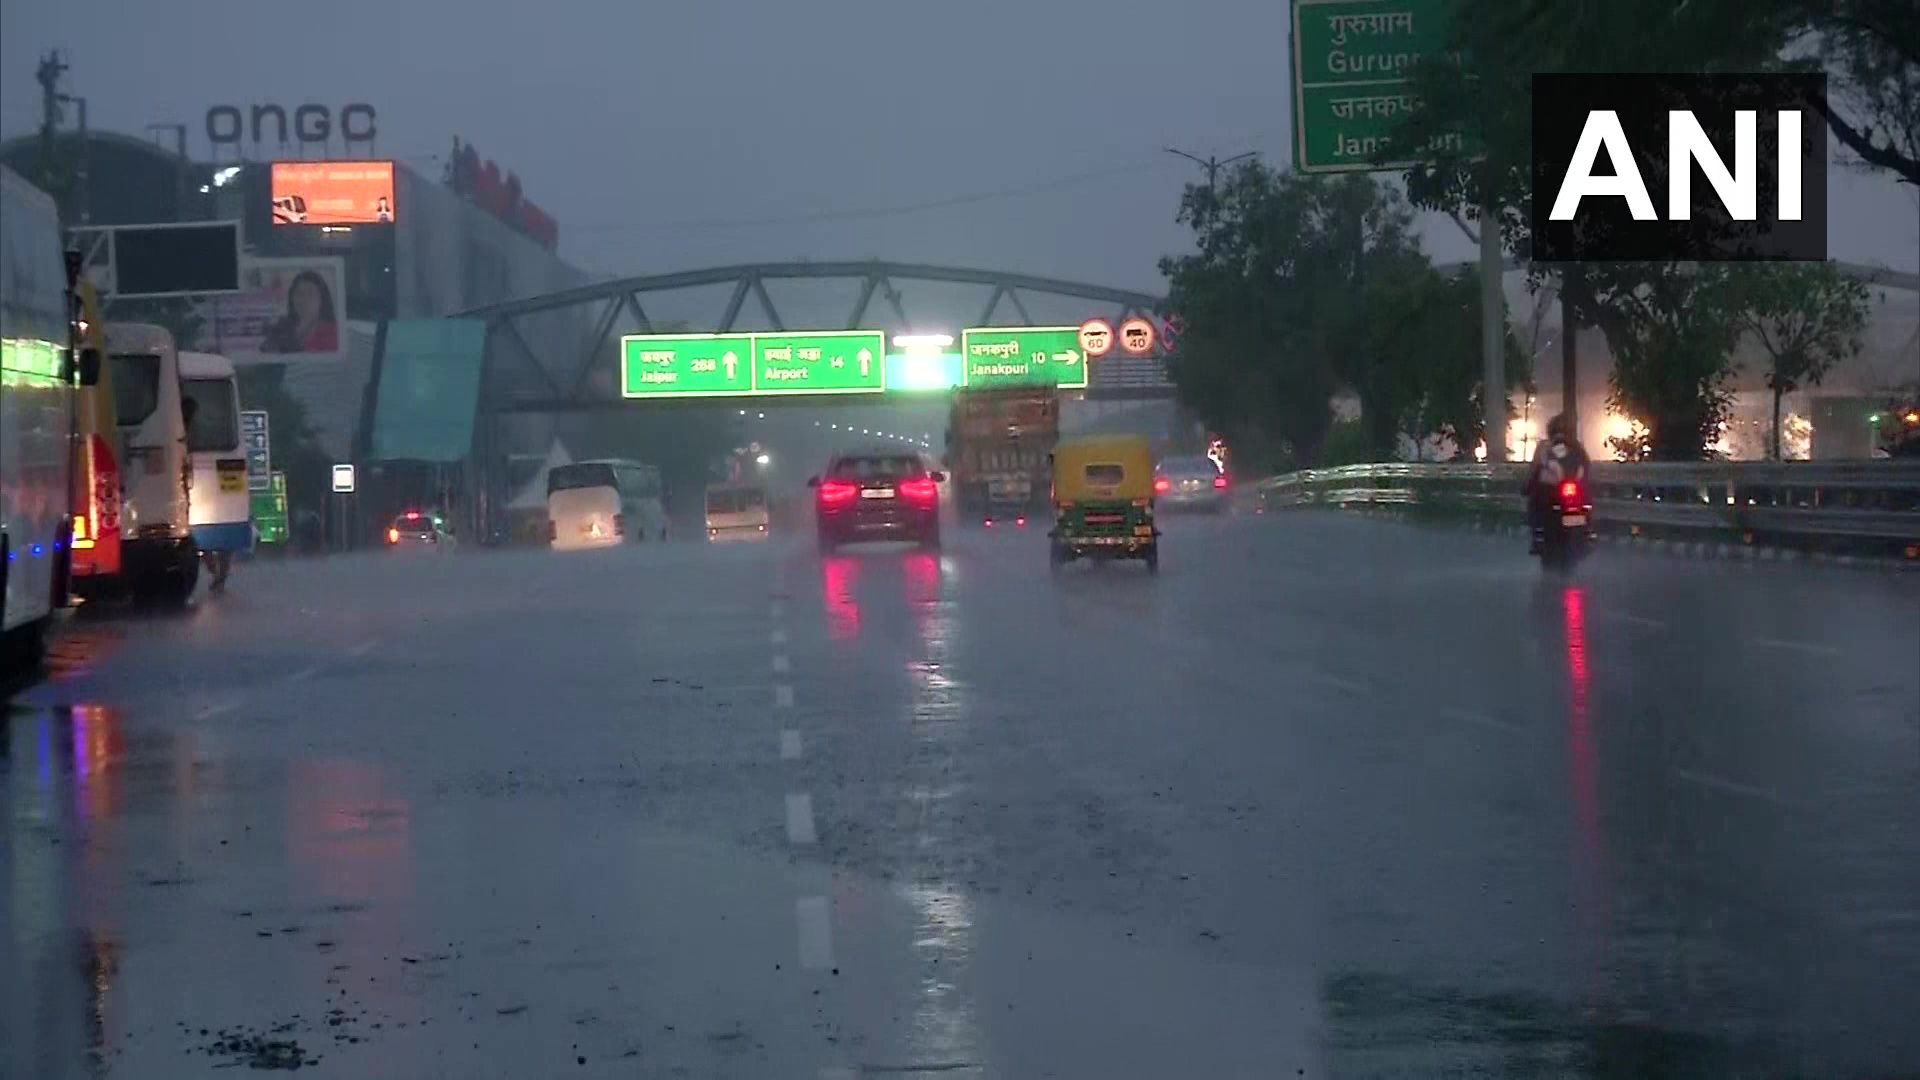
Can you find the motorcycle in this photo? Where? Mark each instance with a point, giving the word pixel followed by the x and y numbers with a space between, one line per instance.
pixel 1566 530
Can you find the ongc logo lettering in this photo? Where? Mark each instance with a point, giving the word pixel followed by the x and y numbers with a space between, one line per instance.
pixel 227 126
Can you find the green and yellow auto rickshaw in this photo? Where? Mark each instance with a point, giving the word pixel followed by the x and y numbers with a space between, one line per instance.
pixel 1103 501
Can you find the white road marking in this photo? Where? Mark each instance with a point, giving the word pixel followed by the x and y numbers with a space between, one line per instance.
pixel 1631 619
pixel 780 664
pixel 800 819
pixel 779 609
pixel 1809 647
pixel 779 636
pixel 1350 685
pixel 304 674
pixel 816 931
pixel 1731 787
pixel 783 696
pixel 218 708
pixel 789 745
pixel 1470 716
pixel 363 648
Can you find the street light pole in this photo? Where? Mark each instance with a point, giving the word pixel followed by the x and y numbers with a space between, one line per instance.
pixel 1212 164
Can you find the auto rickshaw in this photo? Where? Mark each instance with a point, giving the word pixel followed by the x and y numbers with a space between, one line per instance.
pixel 1103 501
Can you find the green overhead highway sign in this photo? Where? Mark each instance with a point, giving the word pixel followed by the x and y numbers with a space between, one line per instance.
pixel 686 365
pixel 1352 69
pixel 820 362
pixel 729 365
pixel 998 356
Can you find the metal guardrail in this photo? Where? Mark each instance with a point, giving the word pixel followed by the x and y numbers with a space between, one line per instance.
pixel 1870 504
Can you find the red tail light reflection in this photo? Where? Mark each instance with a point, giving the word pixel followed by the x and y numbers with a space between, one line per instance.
pixel 1220 482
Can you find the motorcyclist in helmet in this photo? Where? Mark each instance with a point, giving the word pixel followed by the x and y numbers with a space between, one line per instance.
pixel 1559 457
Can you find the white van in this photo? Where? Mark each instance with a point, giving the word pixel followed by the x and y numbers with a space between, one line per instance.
pixel 736 512
pixel 158 559
pixel 220 508
pixel 603 503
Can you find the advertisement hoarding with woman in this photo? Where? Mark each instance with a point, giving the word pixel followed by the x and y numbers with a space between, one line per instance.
pixel 287 309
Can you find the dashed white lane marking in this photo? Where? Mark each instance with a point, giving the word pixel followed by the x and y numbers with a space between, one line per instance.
pixel 363 648
pixel 789 745
pixel 1343 683
pixel 1631 619
pixel 1731 787
pixel 304 673
pixel 783 695
pixel 800 819
pixel 1472 717
pixel 779 609
pixel 780 664
pixel 217 709
pixel 816 931
pixel 1810 647
pixel 779 636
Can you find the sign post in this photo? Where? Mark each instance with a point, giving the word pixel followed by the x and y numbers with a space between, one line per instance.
pixel 270 510
pixel 1004 356
pixel 258 448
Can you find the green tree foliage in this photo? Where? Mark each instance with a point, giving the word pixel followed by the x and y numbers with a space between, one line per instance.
pixel 1807 317
pixel 1303 286
pixel 1870 50
pixel 1672 328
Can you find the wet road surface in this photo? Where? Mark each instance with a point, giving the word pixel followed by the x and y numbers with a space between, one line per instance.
pixel 1328 797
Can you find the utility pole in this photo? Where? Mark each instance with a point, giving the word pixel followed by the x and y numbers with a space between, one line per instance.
pixel 1493 333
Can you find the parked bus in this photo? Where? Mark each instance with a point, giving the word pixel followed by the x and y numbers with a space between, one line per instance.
pixel 37 379
pixel 602 503
pixel 220 508
pixel 96 468
pixel 157 558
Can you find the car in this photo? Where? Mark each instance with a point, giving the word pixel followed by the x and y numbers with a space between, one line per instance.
pixel 1190 483
pixel 877 495
pixel 736 512
pixel 419 530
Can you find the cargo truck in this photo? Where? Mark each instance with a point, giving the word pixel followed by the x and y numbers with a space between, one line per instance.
pixel 997 447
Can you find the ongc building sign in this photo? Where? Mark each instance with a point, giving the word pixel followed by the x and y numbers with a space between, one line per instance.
pixel 228 126
pixel 481 182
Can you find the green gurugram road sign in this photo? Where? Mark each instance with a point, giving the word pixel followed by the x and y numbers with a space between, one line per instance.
pixel 740 365
pixel 1352 70
pixel 997 356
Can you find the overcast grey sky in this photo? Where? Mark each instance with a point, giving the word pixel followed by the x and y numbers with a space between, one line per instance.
pixel 669 136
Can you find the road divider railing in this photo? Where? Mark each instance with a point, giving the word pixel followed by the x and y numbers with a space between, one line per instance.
pixel 1867 508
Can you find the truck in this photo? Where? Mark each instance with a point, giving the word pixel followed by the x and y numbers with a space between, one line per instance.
pixel 998 442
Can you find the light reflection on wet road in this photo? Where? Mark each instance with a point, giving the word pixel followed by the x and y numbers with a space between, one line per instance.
pixel 1326 798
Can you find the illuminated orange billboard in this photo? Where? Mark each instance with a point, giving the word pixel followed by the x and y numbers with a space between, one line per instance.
pixel 332 192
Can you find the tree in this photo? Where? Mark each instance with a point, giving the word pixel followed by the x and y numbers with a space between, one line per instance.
pixel 1807 317
pixel 1672 328
pixel 1276 309
pixel 1870 50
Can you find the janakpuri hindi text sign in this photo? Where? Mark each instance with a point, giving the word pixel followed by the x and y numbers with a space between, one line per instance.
pixel 1352 70
pixel 998 356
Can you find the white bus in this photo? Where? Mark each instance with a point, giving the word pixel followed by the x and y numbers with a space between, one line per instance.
pixel 37 401
pixel 603 503
pixel 157 557
pixel 220 509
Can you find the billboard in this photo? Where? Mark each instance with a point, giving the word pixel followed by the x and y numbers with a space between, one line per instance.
pixel 287 309
pixel 138 262
pixel 332 192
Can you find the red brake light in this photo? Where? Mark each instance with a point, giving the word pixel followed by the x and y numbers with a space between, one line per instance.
pixel 838 492
pixel 1020 521
pixel 1569 489
pixel 413 515
pixel 988 523
pixel 1161 485
pixel 920 489
pixel 1220 482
